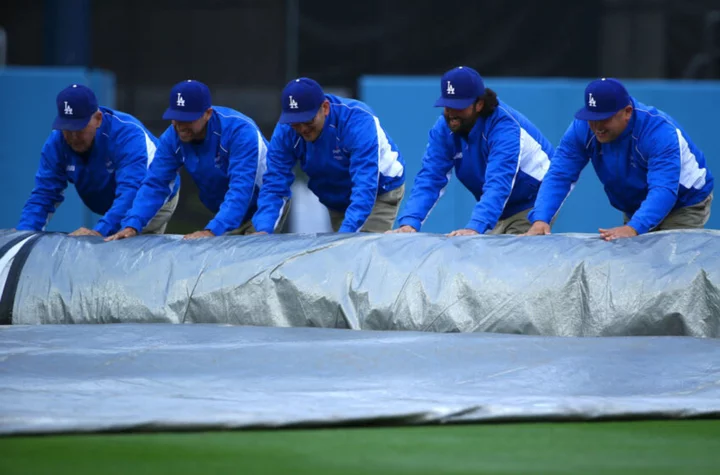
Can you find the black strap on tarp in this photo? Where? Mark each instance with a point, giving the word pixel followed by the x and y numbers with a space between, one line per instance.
pixel 7 301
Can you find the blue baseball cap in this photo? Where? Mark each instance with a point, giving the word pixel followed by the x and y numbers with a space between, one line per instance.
pixel 603 99
pixel 301 99
pixel 75 106
pixel 460 87
pixel 188 101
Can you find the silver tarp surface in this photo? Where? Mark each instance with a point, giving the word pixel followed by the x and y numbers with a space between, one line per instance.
pixel 560 285
pixel 72 378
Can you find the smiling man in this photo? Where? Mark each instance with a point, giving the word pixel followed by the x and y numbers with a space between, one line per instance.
pixel 497 153
pixel 222 150
pixel 105 154
pixel 353 166
pixel 650 168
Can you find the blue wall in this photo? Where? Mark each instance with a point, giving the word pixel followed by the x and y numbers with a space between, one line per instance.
pixel 404 105
pixel 27 109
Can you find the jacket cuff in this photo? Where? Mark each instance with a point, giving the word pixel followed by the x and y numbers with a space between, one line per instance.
pixel 104 228
pixel 216 228
pixel 539 216
pixel 408 221
pixel 132 222
pixel 478 226
pixel 638 227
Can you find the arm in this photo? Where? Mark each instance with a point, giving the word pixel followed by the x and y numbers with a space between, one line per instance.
pixel 565 166
pixel 134 151
pixel 275 190
pixel 156 187
pixel 246 148
pixel 503 165
pixel 432 179
pixel 50 183
pixel 662 146
pixel 362 141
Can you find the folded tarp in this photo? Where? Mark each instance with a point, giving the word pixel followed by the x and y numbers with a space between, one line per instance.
pixel 84 378
pixel 663 283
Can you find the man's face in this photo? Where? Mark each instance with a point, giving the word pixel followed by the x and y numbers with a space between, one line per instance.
pixel 312 129
pixel 81 140
pixel 461 121
pixel 609 129
pixel 192 131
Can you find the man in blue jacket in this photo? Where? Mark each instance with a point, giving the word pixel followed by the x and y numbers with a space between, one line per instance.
pixel 650 168
pixel 105 153
pixel 497 153
pixel 222 150
pixel 353 166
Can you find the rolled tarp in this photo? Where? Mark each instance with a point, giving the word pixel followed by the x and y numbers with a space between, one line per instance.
pixel 664 283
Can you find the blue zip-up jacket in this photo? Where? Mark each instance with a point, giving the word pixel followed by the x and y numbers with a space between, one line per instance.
pixel 501 162
pixel 651 169
pixel 227 168
pixel 348 165
pixel 107 178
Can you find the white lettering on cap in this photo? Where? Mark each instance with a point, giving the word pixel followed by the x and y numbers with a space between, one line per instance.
pixel 591 101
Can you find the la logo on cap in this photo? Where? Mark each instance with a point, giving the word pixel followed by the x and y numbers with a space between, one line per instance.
pixel 180 101
pixel 591 99
pixel 293 103
pixel 68 109
pixel 450 89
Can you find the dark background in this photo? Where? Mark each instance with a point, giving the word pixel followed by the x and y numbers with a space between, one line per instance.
pixel 246 50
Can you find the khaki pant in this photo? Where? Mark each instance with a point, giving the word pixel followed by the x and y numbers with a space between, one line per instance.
pixel 382 217
pixel 160 221
pixel 248 228
pixel 689 217
pixel 515 224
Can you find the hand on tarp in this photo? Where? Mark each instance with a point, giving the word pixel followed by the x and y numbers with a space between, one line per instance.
pixel 125 233
pixel 84 232
pixel 617 233
pixel 538 228
pixel 405 228
pixel 462 232
pixel 199 234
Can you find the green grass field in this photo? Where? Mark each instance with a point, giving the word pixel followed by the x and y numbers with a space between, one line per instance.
pixel 642 447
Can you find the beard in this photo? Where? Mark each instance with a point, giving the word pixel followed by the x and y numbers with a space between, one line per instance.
pixel 461 125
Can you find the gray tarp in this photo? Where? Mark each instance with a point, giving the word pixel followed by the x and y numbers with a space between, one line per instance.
pixel 65 378
pixel 567 285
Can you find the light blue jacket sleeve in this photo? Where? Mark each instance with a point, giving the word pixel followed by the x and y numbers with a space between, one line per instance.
pixel 502 167
pixel 568 161
pixel 362 141
pixel 246 145
pixel 50 183
pixel 157 186
pixel 661 145
pixel 434 175
pixel 132 160
pixel 275 189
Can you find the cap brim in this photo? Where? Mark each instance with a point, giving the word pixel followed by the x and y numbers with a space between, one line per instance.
pixel 172 114
pixel 584 114
pixel 63 123
pixel 455 103
pixel 296 117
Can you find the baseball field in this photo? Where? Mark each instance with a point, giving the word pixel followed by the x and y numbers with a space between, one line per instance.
pixel 626 447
